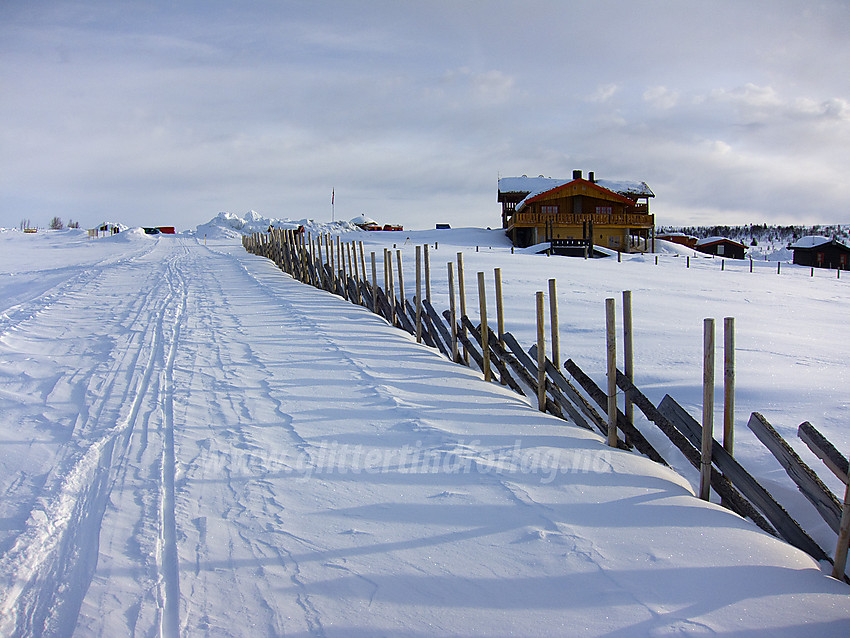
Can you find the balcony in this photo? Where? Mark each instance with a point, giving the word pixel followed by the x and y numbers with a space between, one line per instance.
pixel 632 220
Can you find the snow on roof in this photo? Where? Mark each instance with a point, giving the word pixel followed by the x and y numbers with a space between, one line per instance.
pixel 529 184
pixel 810 241
pixel 626 187
pixel 540 184
pixel 675 235
pixel 707 241
pixel 363 219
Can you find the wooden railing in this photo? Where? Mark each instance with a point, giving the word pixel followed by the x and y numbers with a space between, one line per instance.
pixel 598 219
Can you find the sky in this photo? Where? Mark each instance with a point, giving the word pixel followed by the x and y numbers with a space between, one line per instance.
pixel 166 113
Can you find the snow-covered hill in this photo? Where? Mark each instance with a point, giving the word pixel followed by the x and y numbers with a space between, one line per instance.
pixel 226 225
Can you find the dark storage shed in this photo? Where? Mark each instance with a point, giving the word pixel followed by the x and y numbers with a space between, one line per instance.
pixel 821 252
pixel 722 247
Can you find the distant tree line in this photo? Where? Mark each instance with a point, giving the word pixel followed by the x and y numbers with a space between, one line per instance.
pixel 55 224
pixel 756 234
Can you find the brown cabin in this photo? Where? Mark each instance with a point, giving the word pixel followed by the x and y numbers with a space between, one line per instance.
pixel 821 252
pixel 605 213
pixel 679 238
pixel 722 247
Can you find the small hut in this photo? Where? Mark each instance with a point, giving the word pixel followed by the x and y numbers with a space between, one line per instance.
pixel 821 252
pixel 722 247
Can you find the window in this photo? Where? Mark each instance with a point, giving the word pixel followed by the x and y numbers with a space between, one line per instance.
pixel 721 249
pixel 549 210
pixel 603 210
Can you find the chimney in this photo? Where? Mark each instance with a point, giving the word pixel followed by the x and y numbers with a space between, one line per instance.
pixel 576 174
pixel 591 177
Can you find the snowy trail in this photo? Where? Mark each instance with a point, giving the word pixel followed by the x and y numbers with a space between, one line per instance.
pixel 207 447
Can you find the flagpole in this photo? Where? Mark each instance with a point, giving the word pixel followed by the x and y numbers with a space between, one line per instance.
pixel 333 206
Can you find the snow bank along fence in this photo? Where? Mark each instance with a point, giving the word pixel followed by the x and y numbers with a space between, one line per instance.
pixel 339 267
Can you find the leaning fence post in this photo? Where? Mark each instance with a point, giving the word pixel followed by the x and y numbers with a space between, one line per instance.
pixel 553 318
pixel 707 409
pixel 485 335
pixel 628 351
pixel 611 349
pixel 729 384
pixel 453 312
pixel 541 353
pixel 843 537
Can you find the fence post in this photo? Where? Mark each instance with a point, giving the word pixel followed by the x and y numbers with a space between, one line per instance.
pixel 400 278
pixel 453 311
pixel 843 537
pixel 485 336
pixel 628 351
pixel 427 275
pixel 340 261
pixel 707 409
pixel 374 285
pixel 541 353
pixel 611 349
pixel 321 262
pixel 729 384
pixel 390 286
pixel 500 308
pixel 362 262
pixel 462 295
pixel 329 248
pixel 553 319
pixel 418 294
pixel 305 276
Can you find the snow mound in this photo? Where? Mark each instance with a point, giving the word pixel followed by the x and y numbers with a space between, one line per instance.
pixel 128 235
pixel 664 247
pixel 228 225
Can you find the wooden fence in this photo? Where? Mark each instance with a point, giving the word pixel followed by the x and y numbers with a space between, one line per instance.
pixel 340 267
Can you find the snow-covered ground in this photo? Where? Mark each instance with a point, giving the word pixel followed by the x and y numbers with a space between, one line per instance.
pixel 195 444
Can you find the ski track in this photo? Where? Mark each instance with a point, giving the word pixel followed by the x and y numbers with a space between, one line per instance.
pixel 60 541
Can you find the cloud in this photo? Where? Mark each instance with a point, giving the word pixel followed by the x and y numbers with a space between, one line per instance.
pixel 603 93
pixel 661 97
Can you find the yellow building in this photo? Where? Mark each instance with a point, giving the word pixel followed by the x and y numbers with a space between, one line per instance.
pixel 576 213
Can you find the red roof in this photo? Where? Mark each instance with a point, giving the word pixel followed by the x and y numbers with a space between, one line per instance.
pixel 587 184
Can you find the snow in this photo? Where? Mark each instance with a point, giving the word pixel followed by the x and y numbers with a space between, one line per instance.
pixel 810 241
pixel 713 240
pixel 196 444
pixel 363 220
pixel 228 225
